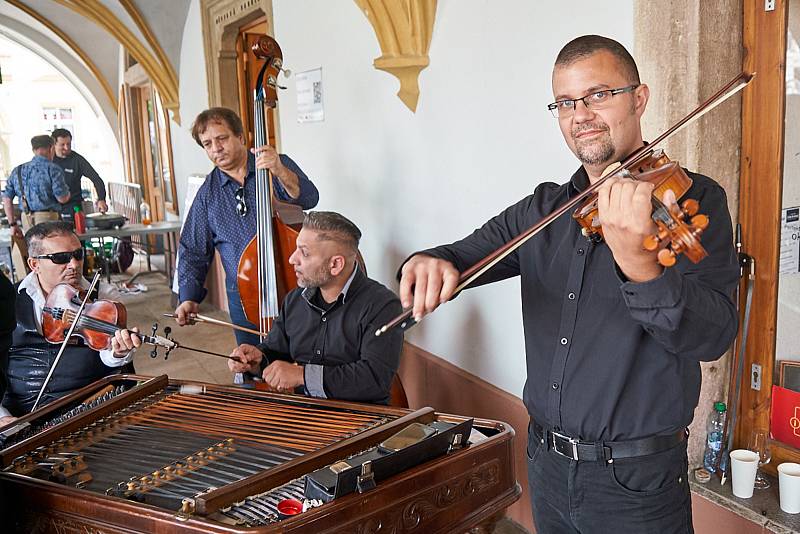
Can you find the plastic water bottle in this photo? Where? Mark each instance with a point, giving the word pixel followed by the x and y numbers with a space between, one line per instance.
pixel 144 209
pixel 716 424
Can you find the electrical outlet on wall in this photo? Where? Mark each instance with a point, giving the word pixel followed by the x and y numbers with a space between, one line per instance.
pixel 769 5
pixel 755 377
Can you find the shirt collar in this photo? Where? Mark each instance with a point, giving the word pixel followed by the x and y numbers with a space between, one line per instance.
pixel 251 170
pixel 578 182
pixel 39 158
pixel 309 292
pixel 30 284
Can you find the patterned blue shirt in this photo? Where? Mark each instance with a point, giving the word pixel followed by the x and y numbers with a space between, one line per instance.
pixel 42 182
pixel 213 222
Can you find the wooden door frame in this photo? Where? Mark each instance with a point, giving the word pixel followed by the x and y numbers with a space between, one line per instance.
pixel 151 193
pixel 760 192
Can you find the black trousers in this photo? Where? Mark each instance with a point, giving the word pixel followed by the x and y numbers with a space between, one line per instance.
pixel 647 494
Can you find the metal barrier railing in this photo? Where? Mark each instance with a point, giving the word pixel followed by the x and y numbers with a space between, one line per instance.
pixel 126 198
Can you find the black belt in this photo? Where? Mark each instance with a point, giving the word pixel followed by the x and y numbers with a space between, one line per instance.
pixel 589 451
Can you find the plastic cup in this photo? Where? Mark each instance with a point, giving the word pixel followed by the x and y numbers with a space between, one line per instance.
pixel 789 482
pixel 744 465
pixel 289 508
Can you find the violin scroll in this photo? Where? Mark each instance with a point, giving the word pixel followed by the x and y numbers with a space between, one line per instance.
pixel 674 235
pixel 680 237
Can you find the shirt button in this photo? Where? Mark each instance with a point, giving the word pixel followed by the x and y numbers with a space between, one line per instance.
pixel 555 385
pixel 324 319
pixel 319 352
pixel 571 296
pixel 580 252
pixel 564 341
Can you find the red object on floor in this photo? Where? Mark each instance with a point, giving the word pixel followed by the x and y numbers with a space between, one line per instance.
pixel 785 416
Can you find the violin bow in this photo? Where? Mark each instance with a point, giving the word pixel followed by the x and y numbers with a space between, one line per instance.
pixel 198 318
pixel 72 326
pixel 405 320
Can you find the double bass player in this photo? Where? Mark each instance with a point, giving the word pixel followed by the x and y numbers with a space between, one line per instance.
pixel 223 214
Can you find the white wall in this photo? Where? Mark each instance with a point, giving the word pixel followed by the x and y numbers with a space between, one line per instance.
pixel 480 140
pixel 188 158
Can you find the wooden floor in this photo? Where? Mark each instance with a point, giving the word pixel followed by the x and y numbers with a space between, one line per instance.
pixel 147 307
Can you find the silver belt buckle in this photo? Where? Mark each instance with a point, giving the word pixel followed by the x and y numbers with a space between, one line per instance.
pixel 572 441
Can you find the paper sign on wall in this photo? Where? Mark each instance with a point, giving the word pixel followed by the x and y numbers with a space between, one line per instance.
pixel 790 241
pixel 309 96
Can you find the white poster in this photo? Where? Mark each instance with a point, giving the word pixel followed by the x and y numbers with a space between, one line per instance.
pixel 790 241
pixel 309 96
pixel 192 186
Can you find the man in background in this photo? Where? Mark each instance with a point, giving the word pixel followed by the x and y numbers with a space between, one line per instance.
pixel 40 185
pixel 76 167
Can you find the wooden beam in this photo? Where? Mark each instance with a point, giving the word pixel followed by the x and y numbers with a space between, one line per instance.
pixel 760 191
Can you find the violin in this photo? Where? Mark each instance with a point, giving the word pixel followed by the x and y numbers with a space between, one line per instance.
pixel 98 322
pixel 674 234
pixel 264 274
pixel 96 325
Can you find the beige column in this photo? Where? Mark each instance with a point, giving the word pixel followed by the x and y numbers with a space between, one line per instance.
pixel 686 50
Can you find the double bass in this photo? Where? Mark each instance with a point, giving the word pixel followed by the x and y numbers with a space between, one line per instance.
pixel 264 273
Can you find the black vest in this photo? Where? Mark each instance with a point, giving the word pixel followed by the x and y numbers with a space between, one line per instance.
pixel 31 356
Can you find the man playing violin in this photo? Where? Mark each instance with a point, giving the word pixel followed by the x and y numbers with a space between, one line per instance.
pixel 322 343
pixel 613 340
pixel 223 214
pixel 55 257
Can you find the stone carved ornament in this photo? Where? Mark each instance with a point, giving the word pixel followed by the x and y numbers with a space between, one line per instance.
pixel 403 29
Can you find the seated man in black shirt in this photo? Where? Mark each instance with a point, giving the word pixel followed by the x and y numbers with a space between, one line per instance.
pixel 323 343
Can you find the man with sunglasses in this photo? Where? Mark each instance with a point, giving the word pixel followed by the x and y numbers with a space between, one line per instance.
pixel 55 257
pixel 223 214
pixel 613 341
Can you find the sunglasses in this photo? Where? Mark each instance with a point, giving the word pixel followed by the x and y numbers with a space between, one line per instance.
pixel 60 258
pixel 241 205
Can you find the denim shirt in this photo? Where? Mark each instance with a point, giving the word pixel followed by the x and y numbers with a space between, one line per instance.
pixel 42 182
pixel 214 223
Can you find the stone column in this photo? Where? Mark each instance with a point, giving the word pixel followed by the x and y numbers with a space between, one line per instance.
pixel 686 50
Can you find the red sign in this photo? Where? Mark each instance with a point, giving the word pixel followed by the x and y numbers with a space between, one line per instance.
pixel 785 423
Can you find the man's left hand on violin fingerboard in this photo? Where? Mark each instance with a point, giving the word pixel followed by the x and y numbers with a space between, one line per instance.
pixel 124 342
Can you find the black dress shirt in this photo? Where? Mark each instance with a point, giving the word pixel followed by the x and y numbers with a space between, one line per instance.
pixel 342 357
pixel 609 359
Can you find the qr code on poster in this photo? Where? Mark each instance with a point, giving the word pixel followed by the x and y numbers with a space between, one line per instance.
pixel 317 92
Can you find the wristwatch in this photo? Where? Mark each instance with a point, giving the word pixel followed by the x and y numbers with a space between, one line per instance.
pixel 12 224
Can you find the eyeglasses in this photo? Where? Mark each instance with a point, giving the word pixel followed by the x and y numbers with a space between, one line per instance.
pixel 241 205
pixel 60 258
pixel 598 100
